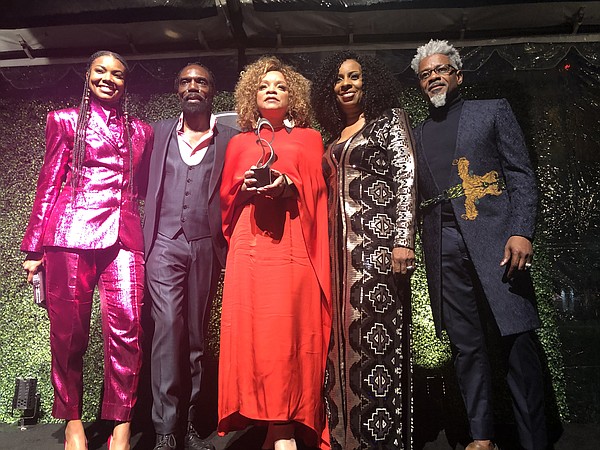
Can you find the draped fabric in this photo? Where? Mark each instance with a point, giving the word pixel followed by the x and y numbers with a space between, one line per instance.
pixel 372 205
pixel 276 313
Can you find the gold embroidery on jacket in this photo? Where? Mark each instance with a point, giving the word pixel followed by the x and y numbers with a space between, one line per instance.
pixel 476 186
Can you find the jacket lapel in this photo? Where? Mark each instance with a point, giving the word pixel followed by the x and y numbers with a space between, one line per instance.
pixel 464 125
pixel 162 143
pixel 98 125
pixel 217 144
pixel 426 176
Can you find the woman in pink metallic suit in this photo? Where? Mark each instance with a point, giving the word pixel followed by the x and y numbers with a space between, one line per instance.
pixel 85 231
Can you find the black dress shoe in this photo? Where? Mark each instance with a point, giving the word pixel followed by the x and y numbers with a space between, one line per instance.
pixel 193 442
pixel 165 442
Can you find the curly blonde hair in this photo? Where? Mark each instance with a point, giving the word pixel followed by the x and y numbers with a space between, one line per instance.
pixel 299 109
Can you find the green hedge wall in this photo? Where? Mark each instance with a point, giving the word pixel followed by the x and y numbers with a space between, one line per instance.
pixel 24 327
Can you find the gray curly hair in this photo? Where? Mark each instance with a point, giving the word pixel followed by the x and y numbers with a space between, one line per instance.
pixel 434 47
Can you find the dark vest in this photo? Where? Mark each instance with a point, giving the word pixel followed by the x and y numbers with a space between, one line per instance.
pixel 184 203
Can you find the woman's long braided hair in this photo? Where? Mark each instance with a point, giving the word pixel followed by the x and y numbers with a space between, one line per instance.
pixel 84 117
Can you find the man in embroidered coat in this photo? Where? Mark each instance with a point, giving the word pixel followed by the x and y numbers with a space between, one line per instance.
pixel 479 200
pixel 185 251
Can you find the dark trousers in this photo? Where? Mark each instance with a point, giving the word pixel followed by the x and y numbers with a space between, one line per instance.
pixel 182 280
pixel 464 314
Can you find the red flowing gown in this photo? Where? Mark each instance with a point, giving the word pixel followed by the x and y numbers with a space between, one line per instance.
pixel 276 314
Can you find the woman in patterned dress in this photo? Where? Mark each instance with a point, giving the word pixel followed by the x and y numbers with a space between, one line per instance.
pixel 370 173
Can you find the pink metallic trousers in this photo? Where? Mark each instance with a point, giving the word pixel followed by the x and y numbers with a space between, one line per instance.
pixel 71 276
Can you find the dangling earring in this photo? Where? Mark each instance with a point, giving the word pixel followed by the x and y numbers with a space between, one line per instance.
pixel 289 123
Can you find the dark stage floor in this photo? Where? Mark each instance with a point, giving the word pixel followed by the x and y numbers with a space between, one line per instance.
pixel 50 437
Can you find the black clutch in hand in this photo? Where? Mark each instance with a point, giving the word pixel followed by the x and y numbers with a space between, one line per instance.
pixel 39 288
pixel 262 172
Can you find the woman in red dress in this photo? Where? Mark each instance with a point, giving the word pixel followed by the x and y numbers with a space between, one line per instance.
pixel 276 316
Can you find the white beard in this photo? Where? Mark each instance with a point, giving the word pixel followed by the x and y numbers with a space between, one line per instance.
pixel 438 100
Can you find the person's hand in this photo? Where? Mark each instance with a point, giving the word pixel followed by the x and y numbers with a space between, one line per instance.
pixel 518 252
pixel 276 188
pixel 403 260
pixel 31 266
pixel 249 183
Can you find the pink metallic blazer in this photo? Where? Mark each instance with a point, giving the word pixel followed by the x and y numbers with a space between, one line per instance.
pixel 103 209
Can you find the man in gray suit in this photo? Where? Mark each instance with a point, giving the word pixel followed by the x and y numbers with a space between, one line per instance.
pixel 185 251
pixel 478 202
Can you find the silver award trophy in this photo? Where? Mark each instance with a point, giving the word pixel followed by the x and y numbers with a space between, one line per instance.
pixel 262 173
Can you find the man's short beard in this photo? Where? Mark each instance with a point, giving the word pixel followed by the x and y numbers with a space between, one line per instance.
pixel 195 107
pixel 438 100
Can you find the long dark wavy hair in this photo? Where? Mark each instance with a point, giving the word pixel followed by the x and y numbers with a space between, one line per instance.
pixel 380 90
pixel 84 117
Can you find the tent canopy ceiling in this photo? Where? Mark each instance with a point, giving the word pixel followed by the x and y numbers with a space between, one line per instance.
pixel 34 32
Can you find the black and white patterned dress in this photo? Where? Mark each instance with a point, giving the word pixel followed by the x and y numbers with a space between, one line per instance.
pixel 368 385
